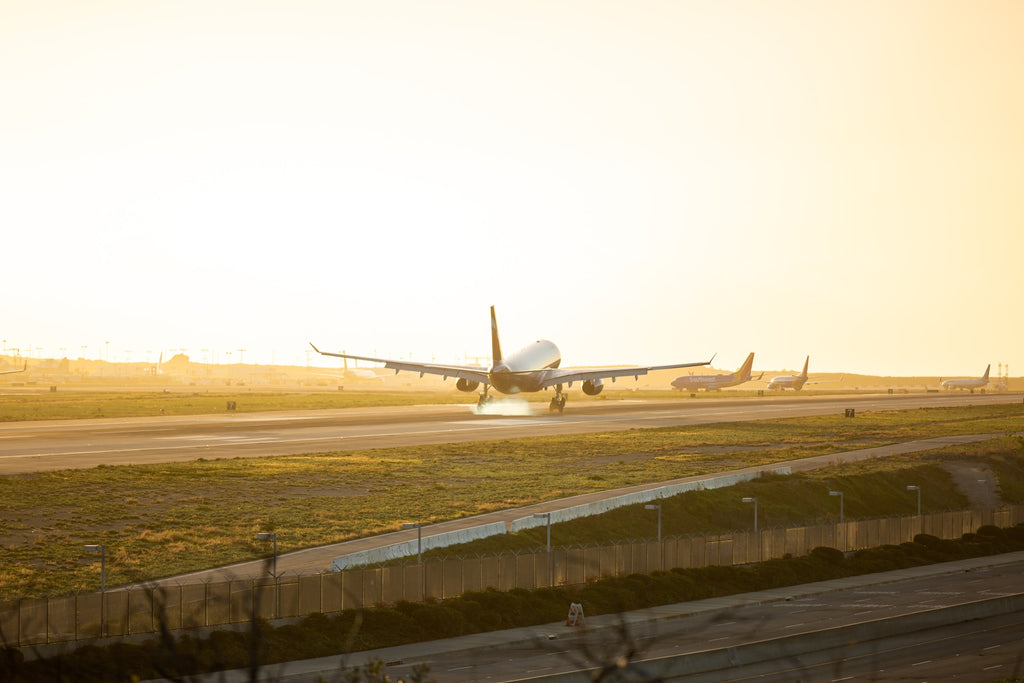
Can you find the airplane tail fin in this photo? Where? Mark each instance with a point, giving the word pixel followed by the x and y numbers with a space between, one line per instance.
pixel 495 342
pixel 804 373
pixel 985 376
pixel 743 374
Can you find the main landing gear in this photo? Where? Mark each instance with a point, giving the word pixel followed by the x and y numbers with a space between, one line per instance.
pixel 558 402
pixel 484 399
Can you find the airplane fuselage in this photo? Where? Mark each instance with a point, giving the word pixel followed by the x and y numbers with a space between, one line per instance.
pixel 794 382
pixel 523 371
pixel 964 383
pixel 706 382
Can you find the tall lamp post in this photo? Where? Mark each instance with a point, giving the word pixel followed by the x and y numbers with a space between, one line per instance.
pixel 988 497
pixel 103 584
pixel 658 508
pixel 419 554
pixel 270 537
pixel 840 494
pixel 103 564
pixel 419 539
pixel 918 489
pixel 545 516
pixel 754 501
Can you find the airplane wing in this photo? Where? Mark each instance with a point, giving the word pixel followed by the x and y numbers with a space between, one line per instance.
pixel 570 375
pixel 11 372
pixel 467 372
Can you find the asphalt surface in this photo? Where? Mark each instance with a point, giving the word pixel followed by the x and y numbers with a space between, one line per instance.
pixel 978 650
pixel 51 445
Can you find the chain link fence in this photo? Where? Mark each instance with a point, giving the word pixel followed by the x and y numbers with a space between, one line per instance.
pixel 120 613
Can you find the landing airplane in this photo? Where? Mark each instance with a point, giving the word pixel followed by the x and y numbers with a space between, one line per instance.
pixel 716 382
pixel 530 369
pixel 970 383
pixel 796 382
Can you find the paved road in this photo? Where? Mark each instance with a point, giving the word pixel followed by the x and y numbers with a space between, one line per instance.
pixel 39 446
pixel 981 650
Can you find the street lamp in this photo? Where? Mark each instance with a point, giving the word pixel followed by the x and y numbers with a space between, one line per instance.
pixel 840 494
pixel 754 501
pixel 103 564
pixel 270 537
pixel 918 489
pixel 419 539
pixel 658 508
pixel 547 516
pixel 988 497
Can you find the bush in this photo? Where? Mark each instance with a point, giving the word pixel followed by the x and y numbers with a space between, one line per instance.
pixel 927 540
pixel 990 531
pixel 829 555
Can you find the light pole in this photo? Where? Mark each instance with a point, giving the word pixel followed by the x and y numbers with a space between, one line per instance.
pixel 988 497
pixel 658 508
pixel 840 494
pixel 270 537
pixel 419 539
pixel 547 516
pixel 103 564
pixel 754 501
pixel 918 489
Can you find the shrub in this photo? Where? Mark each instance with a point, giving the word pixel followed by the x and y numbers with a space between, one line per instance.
pixel 829 555
pixel 927 540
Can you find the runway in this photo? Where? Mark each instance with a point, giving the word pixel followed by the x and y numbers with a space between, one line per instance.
pixel 52 445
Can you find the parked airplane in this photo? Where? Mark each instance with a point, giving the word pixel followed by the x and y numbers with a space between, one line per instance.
pixel 970 383
pixel 716 382
pixel 11 372
pixel 530 369
pixel 795 382
pixel 354 374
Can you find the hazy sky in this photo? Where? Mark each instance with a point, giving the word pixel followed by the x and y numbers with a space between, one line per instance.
pixel 640 182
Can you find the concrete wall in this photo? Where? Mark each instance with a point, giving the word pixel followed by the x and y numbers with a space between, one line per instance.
pixel 602 506
pixel 409 548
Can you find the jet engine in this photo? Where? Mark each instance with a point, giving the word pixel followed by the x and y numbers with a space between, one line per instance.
pixel 593 387
pixel 466 384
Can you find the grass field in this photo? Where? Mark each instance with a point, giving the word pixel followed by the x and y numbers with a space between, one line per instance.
pixel 70 405
pixel 161 520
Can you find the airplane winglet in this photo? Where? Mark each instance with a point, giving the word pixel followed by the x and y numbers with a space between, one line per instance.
pixel 712 358
pixel 314 347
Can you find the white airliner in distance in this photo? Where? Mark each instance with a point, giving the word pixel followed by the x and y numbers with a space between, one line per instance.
pixel 354 374
pixel 532 368
pixel 971 383
pixel 716 382
pixel 796 382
